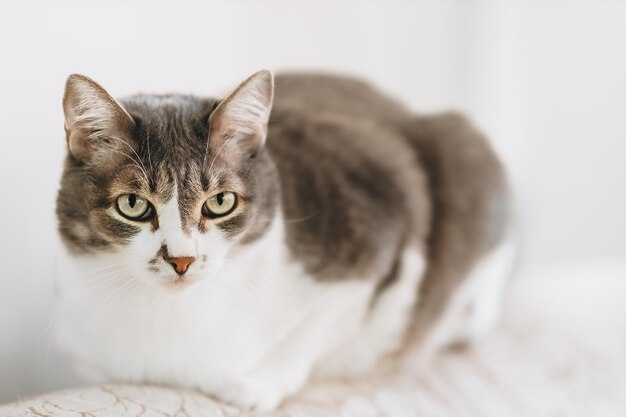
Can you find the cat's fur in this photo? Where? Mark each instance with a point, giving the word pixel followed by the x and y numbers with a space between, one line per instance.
pixel 361 229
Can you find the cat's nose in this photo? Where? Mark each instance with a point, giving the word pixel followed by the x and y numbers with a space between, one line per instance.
pixel 180 264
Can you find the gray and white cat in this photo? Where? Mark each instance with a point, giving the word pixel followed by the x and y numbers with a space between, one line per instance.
pixel 242 246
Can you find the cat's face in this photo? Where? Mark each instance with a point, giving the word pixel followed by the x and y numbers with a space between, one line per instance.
pixel 166 186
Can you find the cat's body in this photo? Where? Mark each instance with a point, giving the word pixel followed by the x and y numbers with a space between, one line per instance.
pixel 359 227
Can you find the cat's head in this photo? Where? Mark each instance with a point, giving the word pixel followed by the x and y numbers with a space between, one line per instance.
pixel 166 185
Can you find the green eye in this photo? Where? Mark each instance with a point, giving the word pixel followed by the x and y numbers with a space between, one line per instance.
pixel 220 204
pixel 134 207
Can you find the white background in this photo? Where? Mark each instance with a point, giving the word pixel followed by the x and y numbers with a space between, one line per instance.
pixel 545 79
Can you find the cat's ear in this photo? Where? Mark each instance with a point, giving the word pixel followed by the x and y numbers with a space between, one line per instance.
pixel 238 126
pixel 95 122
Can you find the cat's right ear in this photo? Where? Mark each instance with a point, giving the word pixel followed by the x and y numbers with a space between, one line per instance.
pixel 95 122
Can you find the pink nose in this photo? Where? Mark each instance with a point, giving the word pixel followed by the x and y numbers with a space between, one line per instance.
pixel 180 264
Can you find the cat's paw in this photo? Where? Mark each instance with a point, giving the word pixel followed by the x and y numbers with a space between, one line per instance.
pixel 249 393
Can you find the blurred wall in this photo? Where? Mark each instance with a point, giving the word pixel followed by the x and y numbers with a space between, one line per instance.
pixel 546 80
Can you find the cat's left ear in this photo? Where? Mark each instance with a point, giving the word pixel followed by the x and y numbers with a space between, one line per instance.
pixel 238 126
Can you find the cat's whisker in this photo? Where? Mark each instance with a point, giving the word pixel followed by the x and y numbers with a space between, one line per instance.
pixel 107 267
pixel 138 180
pixel 58 312
pixel 143 167
pixel 106 276
pixel 112 269
pixel 251 279
pixel 125 281
pixel 125 289
pixel 149 155
pixel 301 219
pixel 206 149
pixel 101 281
pixel 126 155
pixel 136 284
pixel 134 161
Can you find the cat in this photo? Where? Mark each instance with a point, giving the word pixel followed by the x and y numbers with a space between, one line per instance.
pixel 243 246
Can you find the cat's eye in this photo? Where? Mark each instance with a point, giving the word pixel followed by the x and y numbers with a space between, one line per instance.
pixel 134 207
pixel 220 204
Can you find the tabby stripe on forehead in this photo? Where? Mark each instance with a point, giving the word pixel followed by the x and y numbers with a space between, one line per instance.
pixel 189 191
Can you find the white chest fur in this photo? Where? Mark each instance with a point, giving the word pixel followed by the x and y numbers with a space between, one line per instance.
pixel 251 336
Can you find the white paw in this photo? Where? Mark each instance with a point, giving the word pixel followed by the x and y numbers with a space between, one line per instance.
pixel 249 393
